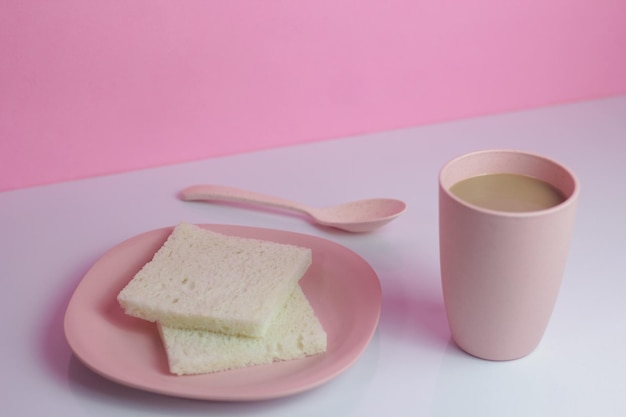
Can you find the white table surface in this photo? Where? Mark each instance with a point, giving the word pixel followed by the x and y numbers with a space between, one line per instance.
pixel 51 235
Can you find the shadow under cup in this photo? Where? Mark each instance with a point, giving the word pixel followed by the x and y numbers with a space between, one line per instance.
pixel 501 271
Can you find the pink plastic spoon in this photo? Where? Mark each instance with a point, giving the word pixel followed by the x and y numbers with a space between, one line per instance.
pixel 355 216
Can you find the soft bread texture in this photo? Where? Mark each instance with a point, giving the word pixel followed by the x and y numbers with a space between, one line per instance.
pixel 295 333
pixel 203 280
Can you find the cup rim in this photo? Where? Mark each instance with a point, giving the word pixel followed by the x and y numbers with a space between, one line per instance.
pixel 570 200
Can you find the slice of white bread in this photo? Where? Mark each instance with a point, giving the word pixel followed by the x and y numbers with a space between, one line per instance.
pixel 295 333
pixel 200 279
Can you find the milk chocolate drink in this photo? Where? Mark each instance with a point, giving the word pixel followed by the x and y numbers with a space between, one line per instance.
pixel 508 192
pixel 505 222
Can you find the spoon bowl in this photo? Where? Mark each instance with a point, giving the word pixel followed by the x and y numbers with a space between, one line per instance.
pixel 354 216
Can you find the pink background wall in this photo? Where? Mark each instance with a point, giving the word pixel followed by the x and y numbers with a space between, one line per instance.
pixel 90 87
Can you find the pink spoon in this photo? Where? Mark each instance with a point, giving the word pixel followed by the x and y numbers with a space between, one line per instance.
pixel 355 216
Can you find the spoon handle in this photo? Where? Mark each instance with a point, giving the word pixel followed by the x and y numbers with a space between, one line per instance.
pixel 223 193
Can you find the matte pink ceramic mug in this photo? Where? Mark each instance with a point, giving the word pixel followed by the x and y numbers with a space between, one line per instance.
pixel 502 271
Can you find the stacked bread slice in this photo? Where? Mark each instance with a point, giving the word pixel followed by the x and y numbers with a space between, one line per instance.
pixel 225 302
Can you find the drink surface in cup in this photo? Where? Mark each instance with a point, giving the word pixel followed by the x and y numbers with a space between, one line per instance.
pixel 508 192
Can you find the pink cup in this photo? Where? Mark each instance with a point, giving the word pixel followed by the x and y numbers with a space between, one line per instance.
pixel 501 271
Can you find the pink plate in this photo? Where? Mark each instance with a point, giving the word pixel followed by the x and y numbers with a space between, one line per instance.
pixel 342 288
